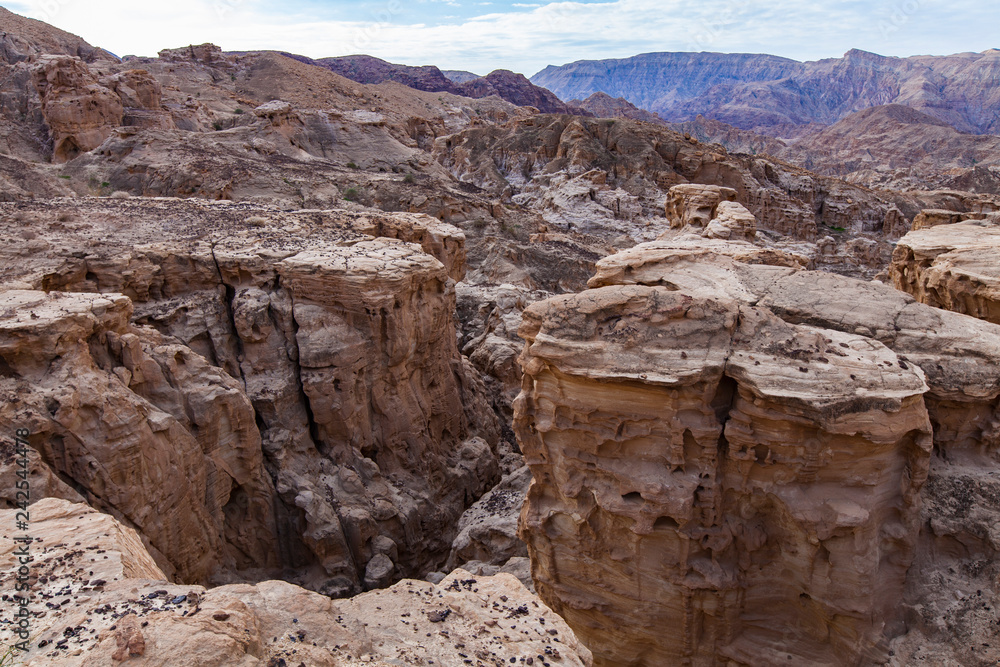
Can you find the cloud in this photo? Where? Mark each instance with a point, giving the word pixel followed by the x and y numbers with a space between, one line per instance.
pixel 526 36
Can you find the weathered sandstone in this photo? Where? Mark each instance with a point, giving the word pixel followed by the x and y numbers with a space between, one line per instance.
pixel 342 432
pixel 730 459
pixel 108 603
pixel 952 266
pixel 79 111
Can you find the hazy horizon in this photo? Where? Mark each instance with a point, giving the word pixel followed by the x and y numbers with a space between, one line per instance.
pixel 527 37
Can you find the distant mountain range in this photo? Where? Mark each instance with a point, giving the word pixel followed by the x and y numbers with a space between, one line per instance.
pixel 774 95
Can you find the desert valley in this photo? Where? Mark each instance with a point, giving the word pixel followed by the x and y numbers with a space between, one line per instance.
pixel 679 359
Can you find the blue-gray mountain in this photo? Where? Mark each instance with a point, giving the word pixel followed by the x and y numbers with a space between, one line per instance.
pixel 775 95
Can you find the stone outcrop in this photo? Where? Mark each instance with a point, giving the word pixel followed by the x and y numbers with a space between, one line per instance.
pixel 952 266
pixel 120 609
pixel 487 532
pixel 934 217
pixel 602 105
pixel 80 112
pixel 711 211
pixel 141 426
pixel 334 367
pixel 743 462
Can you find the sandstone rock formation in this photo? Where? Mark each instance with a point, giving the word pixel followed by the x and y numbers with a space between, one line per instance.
pixel 952 266
pixel 334 368
pixel 719 445
pixel 514 88
pixel 79 111
pixel 487 532
pixel 711 211
pixel 121 610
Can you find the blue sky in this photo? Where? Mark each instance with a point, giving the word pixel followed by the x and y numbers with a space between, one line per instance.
pixel 526 36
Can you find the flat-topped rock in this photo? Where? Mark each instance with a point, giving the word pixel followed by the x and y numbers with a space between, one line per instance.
pixel 700 470
pixel 955 267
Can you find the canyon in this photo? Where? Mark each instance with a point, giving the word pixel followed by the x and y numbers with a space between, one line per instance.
pixel 343 362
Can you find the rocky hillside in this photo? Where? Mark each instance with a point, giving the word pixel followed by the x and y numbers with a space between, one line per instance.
pixel 891 147
pixel 602 105
pixel 514 88
pixel 766 93
pixel 259 330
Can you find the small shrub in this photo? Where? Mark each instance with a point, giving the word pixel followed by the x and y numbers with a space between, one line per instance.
pixel 65 176
pixel 351 165
pixel 257 221
pixel 105 184
pixel 232 77
pixel 65 216
pixel 409 178
pixel 217 125
pixel 121 194
pixel 239 111
pixel 351 194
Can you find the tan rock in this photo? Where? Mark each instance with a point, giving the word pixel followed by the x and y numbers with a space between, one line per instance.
pixel 733 221
pixel 79 111
pixel 823 351
pixel 629 391
pixel 934 217
pixel 952 266
pixel 305 346
pixel 123 611
pixel 696 205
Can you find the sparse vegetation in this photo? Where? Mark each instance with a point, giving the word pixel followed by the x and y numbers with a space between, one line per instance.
pixel 352 165
pixel 239 111
pixel 105 184
pixel 65 176
pixel 351 194
pixel 9 656
pixel 257 221
pixel 409 178
pixel 217 125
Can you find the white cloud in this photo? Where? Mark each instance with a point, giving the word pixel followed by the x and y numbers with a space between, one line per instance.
pixel 531 37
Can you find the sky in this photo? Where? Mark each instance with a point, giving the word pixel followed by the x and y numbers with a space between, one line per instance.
pixel 481 36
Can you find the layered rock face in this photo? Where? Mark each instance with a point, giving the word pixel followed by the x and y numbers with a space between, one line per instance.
pixel 730 460
pixel 122 610
pixel 79 111
pixel 141 426
pixel 952 266
pixel 711 211
pixel 305 377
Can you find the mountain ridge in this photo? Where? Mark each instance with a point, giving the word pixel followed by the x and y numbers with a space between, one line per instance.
pixel 761 92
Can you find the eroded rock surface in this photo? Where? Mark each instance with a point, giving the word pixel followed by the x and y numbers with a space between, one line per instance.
pixel 717 445
pixel 121 610
pixel 952 266
pixel 302 383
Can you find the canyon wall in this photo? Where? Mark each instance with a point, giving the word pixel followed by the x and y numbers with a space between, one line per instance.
pixel 250 399
pixel 736 462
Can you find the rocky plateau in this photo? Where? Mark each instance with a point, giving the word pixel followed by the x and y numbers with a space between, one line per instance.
pixel 341 362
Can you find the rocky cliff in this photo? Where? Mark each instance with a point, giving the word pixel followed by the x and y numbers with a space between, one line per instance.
pixel 507 85
pixel 952 266
pixel 298 392
pixel 718 445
